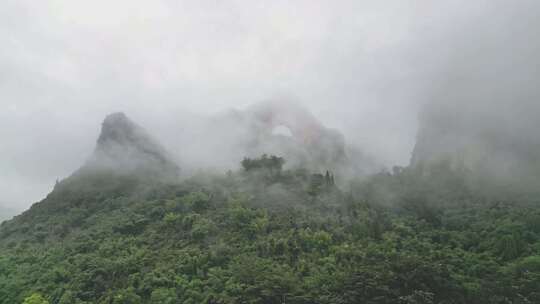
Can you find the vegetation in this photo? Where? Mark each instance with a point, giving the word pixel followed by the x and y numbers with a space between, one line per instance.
pixel 35 299
pixel 268 235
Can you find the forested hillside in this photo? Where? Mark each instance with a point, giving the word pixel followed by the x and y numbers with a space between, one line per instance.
pixel 288 152
pixel 263 234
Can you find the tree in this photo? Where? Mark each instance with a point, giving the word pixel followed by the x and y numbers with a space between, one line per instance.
pixel 418 297
pixel 35 299
pixel 164 296
pixel 274 164
pixel 127 296
pixel 316 184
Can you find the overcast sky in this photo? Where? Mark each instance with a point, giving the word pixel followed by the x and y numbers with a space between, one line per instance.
pixel 363 67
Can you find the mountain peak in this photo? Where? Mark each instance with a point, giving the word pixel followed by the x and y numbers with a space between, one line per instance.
pixel 117 128
pixel 126 148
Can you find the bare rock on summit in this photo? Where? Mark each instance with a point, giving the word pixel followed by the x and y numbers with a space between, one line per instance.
pixel 126 148
pixel 285 128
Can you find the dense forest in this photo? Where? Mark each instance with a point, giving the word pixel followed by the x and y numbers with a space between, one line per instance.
pixel 263 234
pixel 263 171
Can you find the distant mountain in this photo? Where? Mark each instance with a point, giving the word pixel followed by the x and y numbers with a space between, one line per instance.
pixel 497 139
pixel 126 159
pixel 125 148
pixel 289 129
pixel 124 230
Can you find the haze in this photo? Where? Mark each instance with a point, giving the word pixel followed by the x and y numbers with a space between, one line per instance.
pixel 365 68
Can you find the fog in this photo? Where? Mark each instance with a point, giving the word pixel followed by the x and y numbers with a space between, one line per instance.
pixel 482 109
pixel 364 68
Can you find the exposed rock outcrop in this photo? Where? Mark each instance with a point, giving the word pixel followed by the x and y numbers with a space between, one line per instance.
pixel 125 148
pixel 289 130
pixel 496 140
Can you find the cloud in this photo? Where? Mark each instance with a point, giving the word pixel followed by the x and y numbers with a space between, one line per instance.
pixel 362 67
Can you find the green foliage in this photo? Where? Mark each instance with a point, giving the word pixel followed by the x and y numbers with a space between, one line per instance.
pixel 164 296
pixel 35 299
pixel 418 297
pixel 272 163
pixel 126 296
pixel 416 235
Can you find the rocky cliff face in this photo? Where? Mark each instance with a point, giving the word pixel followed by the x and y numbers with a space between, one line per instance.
pixel 289 130
pixel 307 140
pixel 127 162
pixel 123 147
pixel 498 139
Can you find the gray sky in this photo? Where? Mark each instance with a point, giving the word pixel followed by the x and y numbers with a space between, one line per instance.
pixel 363 67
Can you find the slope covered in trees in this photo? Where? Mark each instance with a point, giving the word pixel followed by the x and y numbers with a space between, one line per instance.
pixel 125 229
pixel 267 235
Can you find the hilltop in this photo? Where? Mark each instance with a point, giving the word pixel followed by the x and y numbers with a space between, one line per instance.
pixel 123 230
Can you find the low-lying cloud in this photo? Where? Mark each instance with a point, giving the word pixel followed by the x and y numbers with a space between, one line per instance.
pixel 364 68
